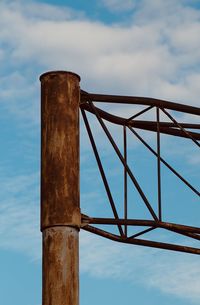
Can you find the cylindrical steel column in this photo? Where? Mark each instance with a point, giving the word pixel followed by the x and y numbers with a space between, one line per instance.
pixel 60 209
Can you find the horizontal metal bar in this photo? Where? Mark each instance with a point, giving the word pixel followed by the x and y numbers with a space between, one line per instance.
pixel 139 101
pixel 139 222
pixel 142 242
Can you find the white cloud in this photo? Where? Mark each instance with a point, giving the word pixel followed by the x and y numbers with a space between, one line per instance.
pixel 172 273
pixel 19 214
pixel 45 11
pixel 179 276
pixel 18 96
pixel 150 56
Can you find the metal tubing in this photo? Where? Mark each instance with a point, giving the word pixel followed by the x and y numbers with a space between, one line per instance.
pixel 142 242
pixel 60 266
pixel 158 164
pixel 60 211
pixel 188 234
pixel 165 127
pixel 86 220
pixel 125 180
pixel 139 101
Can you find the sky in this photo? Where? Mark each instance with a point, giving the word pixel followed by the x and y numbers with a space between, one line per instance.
pixel 140 48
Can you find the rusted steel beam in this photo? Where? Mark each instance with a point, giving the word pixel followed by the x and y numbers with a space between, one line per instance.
pixel 60 211
pixel 142 242
pixel 137 100
pixel 86 220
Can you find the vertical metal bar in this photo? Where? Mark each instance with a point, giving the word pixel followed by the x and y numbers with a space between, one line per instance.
pixel 125 180
pixel 60 211
pixel 158 164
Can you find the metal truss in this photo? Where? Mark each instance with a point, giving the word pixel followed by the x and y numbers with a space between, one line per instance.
pixel 171 127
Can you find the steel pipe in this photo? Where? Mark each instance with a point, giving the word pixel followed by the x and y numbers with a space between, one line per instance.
pixel 60 210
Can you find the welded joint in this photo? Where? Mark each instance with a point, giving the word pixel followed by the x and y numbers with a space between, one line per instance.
pixel 85 97
pixel 74 222
pixel 85 220
pixel 66 225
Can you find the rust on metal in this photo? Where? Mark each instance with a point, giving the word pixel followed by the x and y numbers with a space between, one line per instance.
pixel 60 207
pixel 137 100
pixel 142 242
pixel 86 220
pixel 60 149
pixel 60 266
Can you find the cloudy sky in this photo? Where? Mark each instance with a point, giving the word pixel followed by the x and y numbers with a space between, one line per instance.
pixel 132 47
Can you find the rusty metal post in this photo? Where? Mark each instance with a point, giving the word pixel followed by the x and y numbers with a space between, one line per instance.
pixel 60 210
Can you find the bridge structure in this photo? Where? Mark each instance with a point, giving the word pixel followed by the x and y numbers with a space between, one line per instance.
pixel 62 101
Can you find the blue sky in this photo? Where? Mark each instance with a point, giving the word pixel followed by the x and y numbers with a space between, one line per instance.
pixel 146 48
